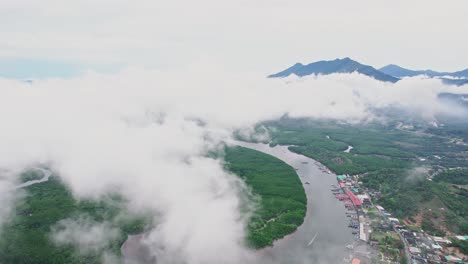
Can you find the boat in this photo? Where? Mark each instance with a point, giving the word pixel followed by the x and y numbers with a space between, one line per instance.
pixel 312 240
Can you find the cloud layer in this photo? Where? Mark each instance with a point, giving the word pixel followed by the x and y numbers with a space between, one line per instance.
pixel 84 234
pixel 145 134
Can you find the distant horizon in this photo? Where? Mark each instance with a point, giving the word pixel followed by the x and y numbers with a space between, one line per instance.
pixel 379 67
pixel 24 69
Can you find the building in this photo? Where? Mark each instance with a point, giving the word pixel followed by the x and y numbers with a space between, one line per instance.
pixel 365 200
pixel 452 259
pixel 362 233
pixel 414 250
pixel 436 247
pixel 356 261
pixel 462 238
pixel 441 240
pixel 356 202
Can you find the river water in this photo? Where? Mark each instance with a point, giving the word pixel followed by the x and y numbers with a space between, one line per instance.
pixel 323 236
pixel 45 178
pixel 325 218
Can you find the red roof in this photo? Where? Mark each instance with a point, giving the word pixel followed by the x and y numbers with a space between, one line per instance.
pixel 353 198
pixel 356 261
pixel 342 185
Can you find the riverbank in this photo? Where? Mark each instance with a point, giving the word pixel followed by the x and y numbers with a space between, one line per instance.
pixel 282 202
pixel 325 217
pixel 324 234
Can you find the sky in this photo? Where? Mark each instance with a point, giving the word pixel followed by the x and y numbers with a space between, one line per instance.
pixel 46 38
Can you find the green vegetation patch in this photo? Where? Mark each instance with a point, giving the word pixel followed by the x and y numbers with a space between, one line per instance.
pixel 461 244
pixel 282 197
pixel 459 177
pixel 389 243
pixel 385 156
pixel 327 141
pixel 31 175
pixel 27 237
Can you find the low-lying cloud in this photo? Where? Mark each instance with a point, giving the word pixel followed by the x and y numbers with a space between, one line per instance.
pixel 86 235
pixel 146 134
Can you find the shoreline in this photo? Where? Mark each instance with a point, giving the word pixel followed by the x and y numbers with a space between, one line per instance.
pixel 325 222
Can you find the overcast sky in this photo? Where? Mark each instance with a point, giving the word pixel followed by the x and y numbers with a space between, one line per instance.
pixel 263 36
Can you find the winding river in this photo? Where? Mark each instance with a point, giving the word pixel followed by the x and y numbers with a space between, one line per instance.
pixel 44 178
pixel 323 236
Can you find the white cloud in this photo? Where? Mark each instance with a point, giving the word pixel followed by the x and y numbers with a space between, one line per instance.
pixel 138 132
pixel 7 198
pixel 87 236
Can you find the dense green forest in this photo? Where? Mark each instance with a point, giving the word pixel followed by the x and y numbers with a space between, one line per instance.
pixel 283 201
pixel 387 157
pixel 405 194
pixel 453 176
pixel 26 238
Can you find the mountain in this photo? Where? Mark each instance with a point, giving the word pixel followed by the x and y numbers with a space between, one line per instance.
pixel 461 74
pixel 345 65
pixel 457 82
pixel 390 73
pixel 399 72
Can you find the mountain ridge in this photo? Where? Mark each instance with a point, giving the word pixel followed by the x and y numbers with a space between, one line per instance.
pixel 400 72
pixel 345 65
pixel 389 73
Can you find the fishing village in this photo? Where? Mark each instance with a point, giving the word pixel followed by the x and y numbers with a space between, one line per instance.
pixel 381 238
